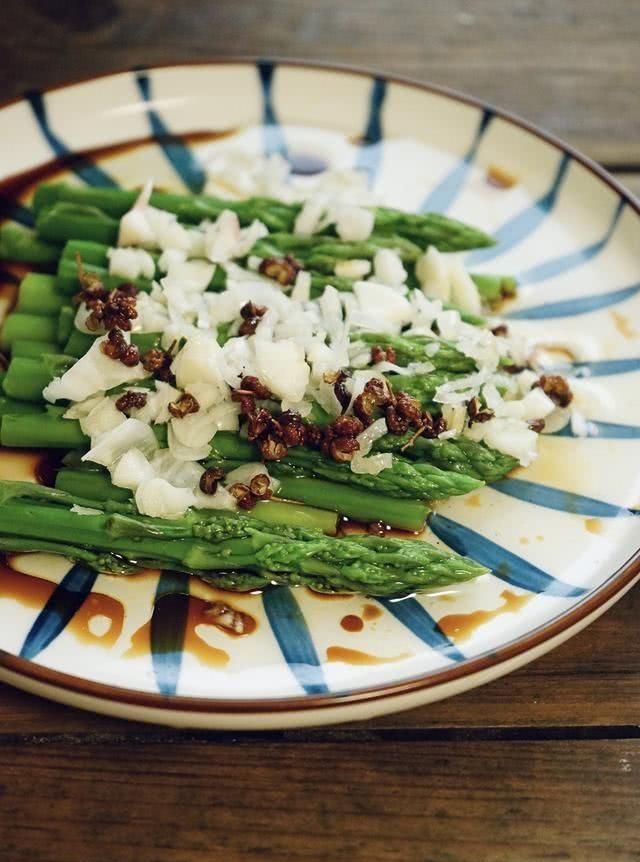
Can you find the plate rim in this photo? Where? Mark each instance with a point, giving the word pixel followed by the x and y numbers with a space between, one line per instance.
pixel 614 586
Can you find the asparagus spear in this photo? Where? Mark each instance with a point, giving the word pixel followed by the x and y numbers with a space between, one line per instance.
pixel 459 455
pixel 21 243
pixel 27 348
pixel 424 229
pixel 403 479
pixel 32 326
pixel 38 294
pixel 211 542
pixel 414 349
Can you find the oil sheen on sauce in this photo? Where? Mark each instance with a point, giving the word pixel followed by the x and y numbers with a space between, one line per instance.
pixel 98 621
pixel 357 657
pixel 460 627
pixel 195 612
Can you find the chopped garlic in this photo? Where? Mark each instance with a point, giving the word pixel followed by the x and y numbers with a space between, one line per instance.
pixel 282 368
pixel 131 434
pixel 464 292
pixel 354 224
pixel 158 499
pixel 131 263
pixel 93 372
pixel 302 287
pixel 354 269
pixel 131 470
pixel 373 464
pixel 383 302
pixel 388 268
pixel 310 219
pixel 432 272
pixel 102 418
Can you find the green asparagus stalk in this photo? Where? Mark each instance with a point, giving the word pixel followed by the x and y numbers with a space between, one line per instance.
pixel 424 229
pixel 11 406
pixel 39 295
pixel 414 349
pixel 26 348
pixel 21 244
pixel 458 455
pixel 41 431
pixel 420 386
pixel 65 221
pixel 402 480
pixel 26 378
pixel 19 326
pixel 208 542
pixel 66 323
pixel 95 485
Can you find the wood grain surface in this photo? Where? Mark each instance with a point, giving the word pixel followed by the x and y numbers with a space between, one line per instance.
pixel 541 765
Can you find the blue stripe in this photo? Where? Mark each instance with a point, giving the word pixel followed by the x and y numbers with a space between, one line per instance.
pixel 168 626
pixel 411 614
pixel 606 430
pixel 525 222
pixel 15 211
pixel 292 633
pixel 274 140
pixel 566 262
pixel 447 190
pixel 504 565
pixel 175 150
pixel 562 501
pixel 600 367
pixel 370 151
pixel 571 307
pixel 63 603
pixel 80 165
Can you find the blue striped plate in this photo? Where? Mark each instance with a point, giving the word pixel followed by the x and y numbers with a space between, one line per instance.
pixel 560 538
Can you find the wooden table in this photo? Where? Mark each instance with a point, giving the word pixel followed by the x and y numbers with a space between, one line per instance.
pixel 542 765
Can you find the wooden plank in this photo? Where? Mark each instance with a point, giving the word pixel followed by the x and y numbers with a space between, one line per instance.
pixel 570 66
pixel 387 802
pixel 591 681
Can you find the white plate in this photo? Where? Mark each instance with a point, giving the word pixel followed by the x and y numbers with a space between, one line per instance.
pixel 560 537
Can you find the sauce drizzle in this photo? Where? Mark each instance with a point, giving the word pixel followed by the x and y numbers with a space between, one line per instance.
pixel 460 627
pixel 356 657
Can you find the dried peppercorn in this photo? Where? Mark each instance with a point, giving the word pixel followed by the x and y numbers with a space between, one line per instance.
pixel 209 480
pixel 251 315
pixel 338 379
pixel 183 406
pixel 345 426
pixel 408 407
pixel 158 363
pixel 260 487
pixel 476 413
pixel 243 496
pixel 342 449
pixel 115 347
pixel 291 428
pixel 374 395
pixel 432 427
pixel 382 354
pixel 131 401
pixel 251 385
pixel 396 423
pixel 556 388
pixel 282 269
pixel 271 448
pixel 501 330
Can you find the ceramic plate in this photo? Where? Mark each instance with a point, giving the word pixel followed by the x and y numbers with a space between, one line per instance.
pixel 561 537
